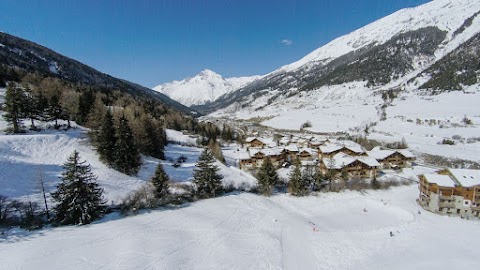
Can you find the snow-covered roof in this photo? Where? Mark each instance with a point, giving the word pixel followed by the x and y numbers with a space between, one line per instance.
pixel 273 151
pixel 379 154
pixel 355 148
pixel 251 139
pixel 330 147
pixel 370 161
pixel 302 141
pixel 308 150
pixel 439 179
pixel 406 153
pixel 292 148
pixel 315 142
pixel 340 160
pixel 243 155
pixel 266 151
pixel 467 178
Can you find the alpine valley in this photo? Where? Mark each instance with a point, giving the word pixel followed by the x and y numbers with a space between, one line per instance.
pixel 363 154
pixel 414 74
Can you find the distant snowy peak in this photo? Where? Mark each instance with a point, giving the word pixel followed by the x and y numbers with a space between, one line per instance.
pixel 446 15
pixel 205 87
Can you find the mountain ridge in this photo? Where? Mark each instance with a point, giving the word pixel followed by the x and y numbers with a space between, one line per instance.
pixel 29 56
pixel 447 24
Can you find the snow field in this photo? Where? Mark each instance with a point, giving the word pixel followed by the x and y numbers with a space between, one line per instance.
pixel 247 231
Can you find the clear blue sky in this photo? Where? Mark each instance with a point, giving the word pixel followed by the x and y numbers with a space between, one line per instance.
pixel 151 42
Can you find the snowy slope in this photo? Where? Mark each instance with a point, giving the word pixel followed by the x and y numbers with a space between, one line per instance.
pixel 246 231
pixel 447 15
pixel 204 87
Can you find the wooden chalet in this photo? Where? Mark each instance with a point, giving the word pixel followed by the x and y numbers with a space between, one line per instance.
pixel 254 142
pixel 307 154
pixel 329 150
pixel 355 166
pixel 392 158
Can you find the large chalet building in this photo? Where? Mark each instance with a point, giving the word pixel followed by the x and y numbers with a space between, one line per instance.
pixel 451 192
pixel 334 157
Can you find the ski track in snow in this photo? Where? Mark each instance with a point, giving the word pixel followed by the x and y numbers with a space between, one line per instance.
pixel 247 231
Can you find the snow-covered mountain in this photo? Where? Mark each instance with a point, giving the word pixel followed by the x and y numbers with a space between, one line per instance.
pixel 414 74
pixel 203 88
pixel 391 53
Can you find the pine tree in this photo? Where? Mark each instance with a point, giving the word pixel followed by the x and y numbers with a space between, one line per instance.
pixel 375 183
pixel 153 139
pixel 127 156
pixel 160 183
pixel 80 199
pixel 106 139
pixel 206 177
pixel 14 107
pixel 267 177
pixel 298 184
pixel 318 179
pixel 55 110
pixel 31 107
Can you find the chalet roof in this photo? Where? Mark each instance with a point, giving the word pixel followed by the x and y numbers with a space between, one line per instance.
pixel 302 141
pixel 467 178
pixel 267 151
pixel 315 142
pixel 308 150
pixel 251 139
pixel 355 148
pixel 379 154
pixel 439 179
pixel 243 155
pixel 370 161
pixel 292 148
pixel 406 153
pixel 340 160
pixel 330 147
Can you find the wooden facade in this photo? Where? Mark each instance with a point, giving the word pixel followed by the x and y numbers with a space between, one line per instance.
pixel 353 169
pixel 255 143
pixel 306 156
pixel 395 160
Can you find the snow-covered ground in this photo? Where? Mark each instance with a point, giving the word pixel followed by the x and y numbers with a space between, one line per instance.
pixel 236 231
pixel 247 231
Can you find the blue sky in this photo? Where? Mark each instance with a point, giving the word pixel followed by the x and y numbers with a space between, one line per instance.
pixel 151 42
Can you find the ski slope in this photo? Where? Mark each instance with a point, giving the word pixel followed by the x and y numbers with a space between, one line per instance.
pixel 247 231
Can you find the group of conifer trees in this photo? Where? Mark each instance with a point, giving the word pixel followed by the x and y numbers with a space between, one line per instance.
pixel 21 103
pixel 118 148
pixel 301 182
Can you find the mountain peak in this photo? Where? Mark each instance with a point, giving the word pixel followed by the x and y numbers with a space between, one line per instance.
pixel 203 88
pixel 208 72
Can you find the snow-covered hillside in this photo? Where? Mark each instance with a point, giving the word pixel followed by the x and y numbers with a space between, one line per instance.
pixel 204 87
pixel 295 93
pixel 247 231
pixel 447 15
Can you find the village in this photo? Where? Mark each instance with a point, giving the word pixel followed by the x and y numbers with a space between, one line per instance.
pixel 444 191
